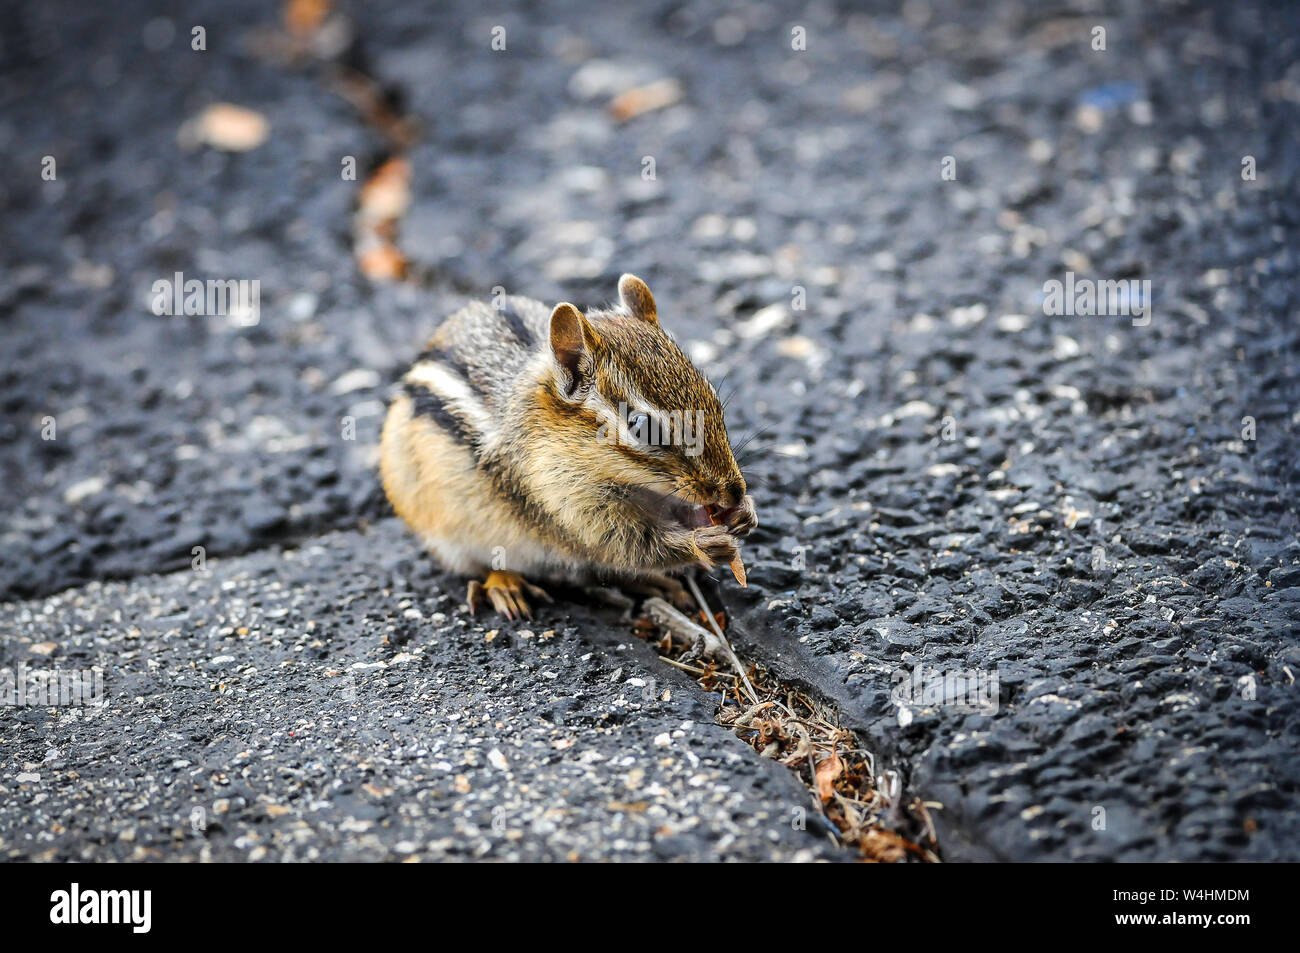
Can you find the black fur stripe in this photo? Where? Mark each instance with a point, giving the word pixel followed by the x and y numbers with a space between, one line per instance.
pixel 517 326
pixel 428 404
pixel 507 484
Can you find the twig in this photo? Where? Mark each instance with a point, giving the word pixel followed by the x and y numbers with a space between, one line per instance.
pixel 731 655
pixel 662 614
pixel 685 668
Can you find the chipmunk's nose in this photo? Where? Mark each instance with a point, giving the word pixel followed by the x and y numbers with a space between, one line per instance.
pixel 732 493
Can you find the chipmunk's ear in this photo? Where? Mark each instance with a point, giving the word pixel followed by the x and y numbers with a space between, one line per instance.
pixel 635 296
pixel 572 339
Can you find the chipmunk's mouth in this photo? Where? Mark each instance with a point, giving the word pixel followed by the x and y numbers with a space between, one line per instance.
pixel 690 515
pixel 667 508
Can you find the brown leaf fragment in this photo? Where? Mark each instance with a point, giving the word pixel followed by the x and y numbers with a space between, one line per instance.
pixel 386 195
pixel 227 127
pixel 302 17
pixel 643 99
pixel 383 199
pixel 883 846
pixel 738 570
pixel 830 768
pixel 383 263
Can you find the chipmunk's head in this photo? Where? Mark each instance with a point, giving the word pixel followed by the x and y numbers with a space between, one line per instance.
pixel 644 423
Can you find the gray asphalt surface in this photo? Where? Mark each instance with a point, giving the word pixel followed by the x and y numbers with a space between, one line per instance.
pixel 947 477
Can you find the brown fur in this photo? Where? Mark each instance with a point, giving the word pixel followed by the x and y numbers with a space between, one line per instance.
pixel 540 493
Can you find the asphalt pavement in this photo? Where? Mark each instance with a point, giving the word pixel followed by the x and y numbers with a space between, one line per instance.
pixel 851 215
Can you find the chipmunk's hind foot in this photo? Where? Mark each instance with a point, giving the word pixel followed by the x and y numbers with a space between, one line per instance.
pixel 666 587
pixel 506 591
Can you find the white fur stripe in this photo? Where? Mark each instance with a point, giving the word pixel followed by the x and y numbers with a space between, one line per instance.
pixel 637 401
pixel 457 394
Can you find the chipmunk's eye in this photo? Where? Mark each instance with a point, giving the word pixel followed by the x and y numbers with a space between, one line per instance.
pixel 638 426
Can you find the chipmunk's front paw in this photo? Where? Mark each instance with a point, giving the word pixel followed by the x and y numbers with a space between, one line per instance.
pixel 505 590
pixel 742 518
pixel 714 544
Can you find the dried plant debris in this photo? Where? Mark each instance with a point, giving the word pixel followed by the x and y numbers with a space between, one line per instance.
pixel 643 99
pixel 377 107
pixel 738 570
pixel 310 30
pixel 314 33
pixel 225 126
pixel 304 17
pixel 382 202
pixel 786 724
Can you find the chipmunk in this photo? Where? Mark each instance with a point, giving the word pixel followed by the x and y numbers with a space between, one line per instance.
pixel 529 441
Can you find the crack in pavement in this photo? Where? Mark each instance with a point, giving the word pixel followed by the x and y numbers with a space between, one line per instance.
pixel 864 815
pixel 1074 504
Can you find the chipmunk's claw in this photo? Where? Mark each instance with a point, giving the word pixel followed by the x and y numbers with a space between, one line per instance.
pixel 506 591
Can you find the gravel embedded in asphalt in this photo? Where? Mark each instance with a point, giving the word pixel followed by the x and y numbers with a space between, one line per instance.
pixel 949 478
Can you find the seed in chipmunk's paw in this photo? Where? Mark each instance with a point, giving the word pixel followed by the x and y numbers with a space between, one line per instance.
pixel 738 570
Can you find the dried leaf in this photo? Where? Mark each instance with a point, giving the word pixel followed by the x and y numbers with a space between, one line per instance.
pixel 386 195
pixel 738 570
pixel 383 262
pixel 643 99
pixel 226 126
pixel 799 755
pixel 884 846
pixel 830 768
pixel 302 17
pixel 383 199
